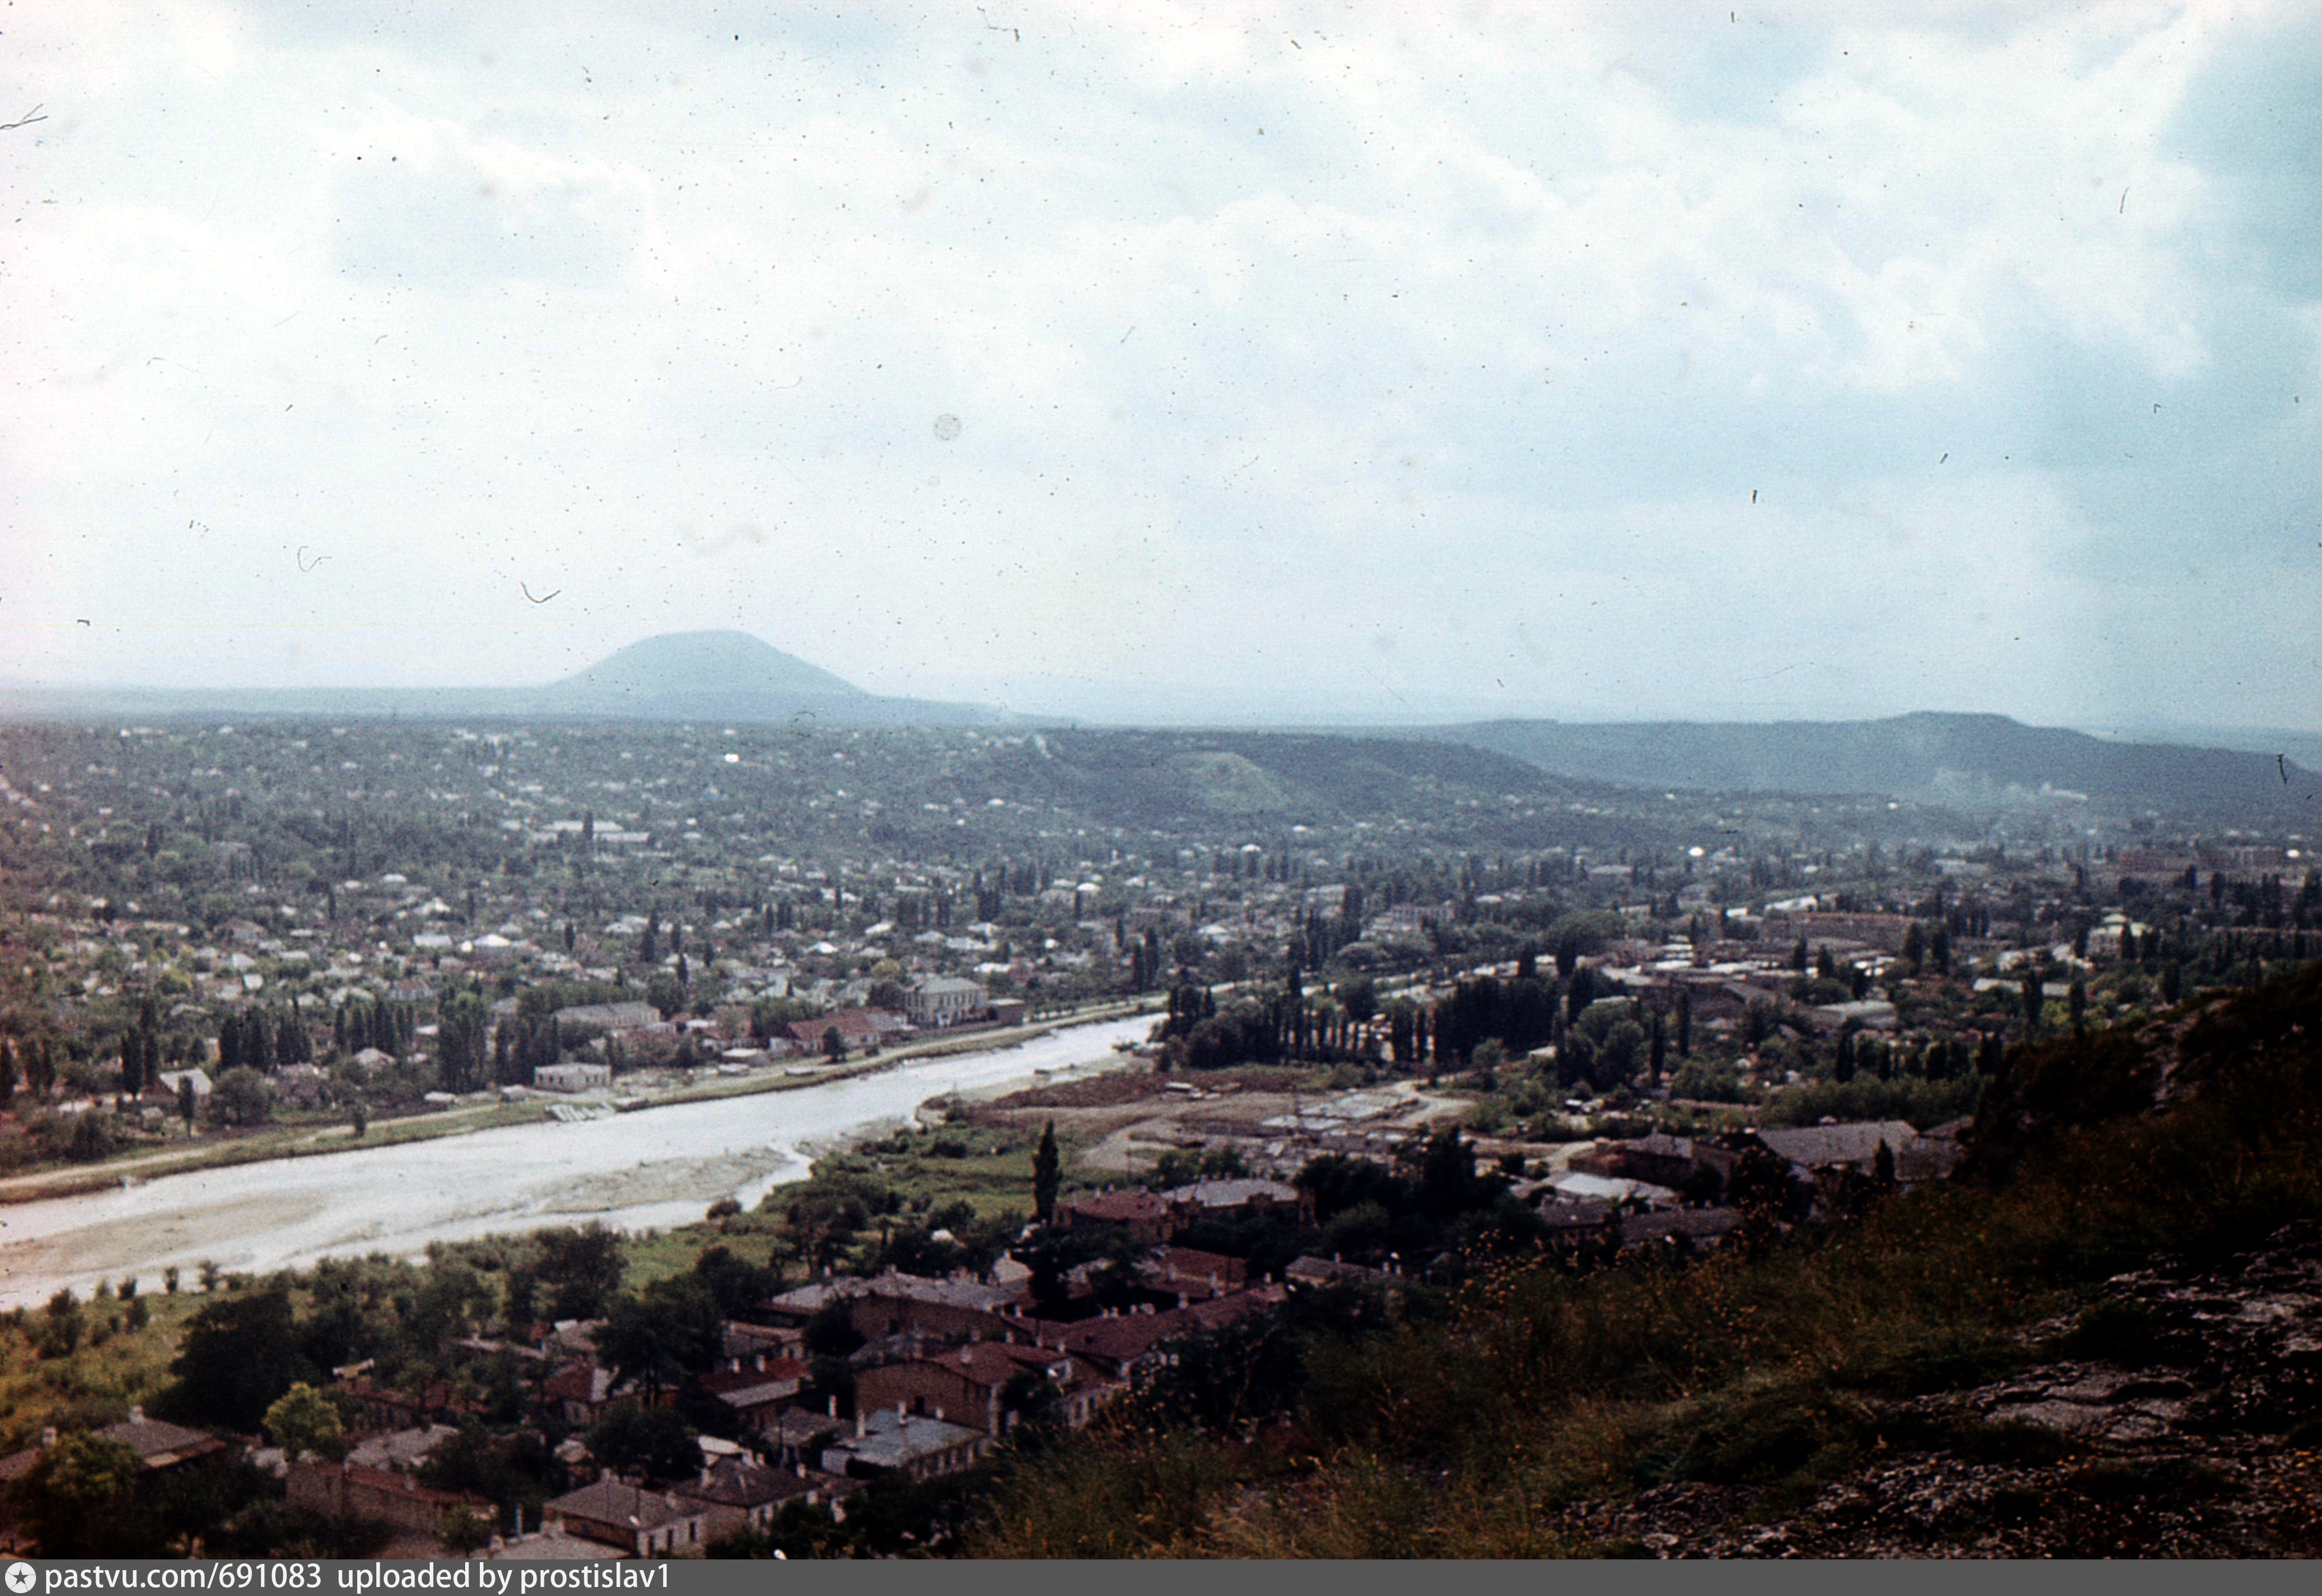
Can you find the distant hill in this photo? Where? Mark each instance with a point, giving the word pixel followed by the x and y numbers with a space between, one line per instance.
pixel 1271 779
pixel 677 676
pixel 1974 762
pixel 683 666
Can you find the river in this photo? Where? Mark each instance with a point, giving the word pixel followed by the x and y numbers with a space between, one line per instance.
pixel 655 1167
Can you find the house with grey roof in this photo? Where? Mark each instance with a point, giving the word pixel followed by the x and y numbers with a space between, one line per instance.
pixel 941 1001
pixel 887 1442
pixel 1817 1148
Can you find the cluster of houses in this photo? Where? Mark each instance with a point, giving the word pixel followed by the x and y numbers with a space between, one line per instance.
pixel 1631 1194
pixel 601 1033
pixel 946 1369
pixel 737 1487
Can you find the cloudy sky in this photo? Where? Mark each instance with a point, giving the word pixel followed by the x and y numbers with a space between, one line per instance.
pixel 1156 358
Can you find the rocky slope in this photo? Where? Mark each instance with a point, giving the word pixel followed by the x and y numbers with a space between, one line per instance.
pixel 2180 1415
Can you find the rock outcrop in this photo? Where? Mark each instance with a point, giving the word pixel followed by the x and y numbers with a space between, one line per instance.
pixel 2179 1414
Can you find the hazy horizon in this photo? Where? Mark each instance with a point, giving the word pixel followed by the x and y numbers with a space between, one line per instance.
pixel 1165 705
pixel 1164 364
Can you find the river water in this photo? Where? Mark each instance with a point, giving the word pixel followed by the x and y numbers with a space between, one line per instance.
pixel 658 1167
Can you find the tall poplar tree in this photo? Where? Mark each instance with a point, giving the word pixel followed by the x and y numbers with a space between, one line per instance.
pixel 1047 1169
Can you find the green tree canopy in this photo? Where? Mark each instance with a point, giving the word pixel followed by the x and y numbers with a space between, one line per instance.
pixel 658 1336
pixel 302 1420
pixel 241 1096
pixel 82 1500
pixel 238 1354
pixel 581 1267
pixel 632 1439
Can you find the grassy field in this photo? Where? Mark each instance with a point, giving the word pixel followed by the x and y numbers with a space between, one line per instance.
pixel 989 1170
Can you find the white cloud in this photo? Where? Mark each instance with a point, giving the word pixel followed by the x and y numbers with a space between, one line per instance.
pixel 1480 347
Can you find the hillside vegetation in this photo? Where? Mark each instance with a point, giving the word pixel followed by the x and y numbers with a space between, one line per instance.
pixel 1742 1402
pixel 1975 762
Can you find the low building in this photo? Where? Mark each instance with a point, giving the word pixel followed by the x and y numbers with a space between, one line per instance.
pixel 1887 933
pixel 579 1392
pixel 588 1018
pixel 796 1434
pixel 737 1493
pixel 641 1522
pixel 1689 1229
pixel 1124 1347
pixel 380 1408
pixel 1577 1221
pixel 1312 1271
pixel 553 1543
pixel 1141 1213
pixel 1193 1274
pixel 1234 1199
pixel 352 1491
pixel 161 1447
pixel 1658 1158
pixel 969 1384
pixel 887 1442
pixel 401 1451
pixel 1870 1014
pixel 747 1341
pixel 897 1304
pixel 754 1391
pixel 572 1075
pixel 1819 1148
pixel 1617 1190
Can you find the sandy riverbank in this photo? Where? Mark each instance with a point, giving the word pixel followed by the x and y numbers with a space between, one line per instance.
pixel 655 1168
pixel 228 1150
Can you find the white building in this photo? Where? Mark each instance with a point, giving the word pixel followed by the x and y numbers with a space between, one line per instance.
pixel 572 1075
pixel 944 1000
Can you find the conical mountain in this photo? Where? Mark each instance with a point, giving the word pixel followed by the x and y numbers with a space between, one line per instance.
pixel 726 676
pixel 661 673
